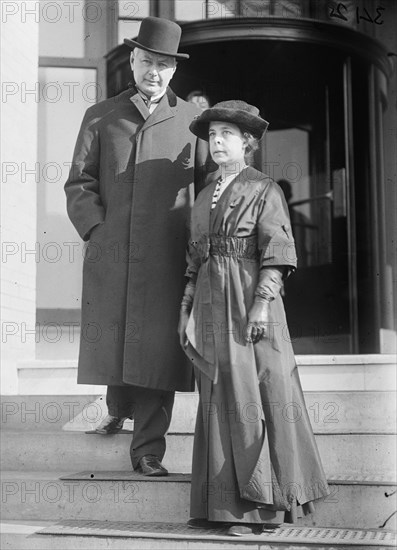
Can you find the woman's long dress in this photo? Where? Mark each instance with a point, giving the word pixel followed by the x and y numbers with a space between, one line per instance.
pixel 254 456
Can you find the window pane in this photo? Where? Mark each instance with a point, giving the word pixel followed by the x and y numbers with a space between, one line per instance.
pixel 61 28
pixel 287 159
pixel 190 10
pixel 138 9
pixel 288 8
pixel 65 94
pixel 256 8
pixel 128 29
pixel 223 8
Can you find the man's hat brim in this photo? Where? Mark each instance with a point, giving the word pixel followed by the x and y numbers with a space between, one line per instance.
pixel 252 123
pixel 133 44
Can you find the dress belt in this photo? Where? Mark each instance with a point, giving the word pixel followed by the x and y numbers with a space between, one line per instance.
pixel 218 245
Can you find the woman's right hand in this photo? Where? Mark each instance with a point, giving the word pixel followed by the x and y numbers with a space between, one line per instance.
pixel 258 322
pixel 183 320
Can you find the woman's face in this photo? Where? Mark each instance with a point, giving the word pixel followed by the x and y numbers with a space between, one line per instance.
pixel 227 143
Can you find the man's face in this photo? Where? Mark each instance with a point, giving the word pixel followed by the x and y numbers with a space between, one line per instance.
pixel 200 101
pixel 152 72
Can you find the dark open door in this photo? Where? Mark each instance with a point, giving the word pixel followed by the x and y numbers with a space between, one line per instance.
pixel 300 91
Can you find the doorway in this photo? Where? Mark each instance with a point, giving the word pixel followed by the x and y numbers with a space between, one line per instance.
pixel 299 90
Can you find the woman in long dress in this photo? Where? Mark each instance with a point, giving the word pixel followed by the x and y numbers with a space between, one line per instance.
pixel 255 460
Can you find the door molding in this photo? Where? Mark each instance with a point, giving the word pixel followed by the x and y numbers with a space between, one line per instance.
pixel 291 30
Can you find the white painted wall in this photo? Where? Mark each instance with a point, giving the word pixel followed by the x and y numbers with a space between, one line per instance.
pixel 19 55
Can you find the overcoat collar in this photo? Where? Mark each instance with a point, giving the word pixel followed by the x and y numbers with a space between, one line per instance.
pixel 166 108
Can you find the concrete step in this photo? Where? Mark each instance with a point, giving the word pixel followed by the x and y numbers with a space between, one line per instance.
pixel 52 377
pixel 55 340
pixel 329 412
pixel 376 372
pixel 34 495
pixel 162 536
pixel 345 454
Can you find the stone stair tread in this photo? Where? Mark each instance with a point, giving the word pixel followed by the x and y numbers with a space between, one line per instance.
pixel 330 412
pixel 354 454
pixel 126 431
pixel 283 534
pixel 173 477
pixel 59 495
pixel 112 475
pixel 23 527
pixel 25 535
pixel 41 431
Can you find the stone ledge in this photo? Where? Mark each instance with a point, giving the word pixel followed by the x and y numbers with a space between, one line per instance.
pixel 375 372
pixel 301 360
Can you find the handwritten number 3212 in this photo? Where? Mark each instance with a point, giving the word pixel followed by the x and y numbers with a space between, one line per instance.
pixel 337 13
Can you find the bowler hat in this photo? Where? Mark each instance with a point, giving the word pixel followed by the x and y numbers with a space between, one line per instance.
pixel 238 112
pixel 160 36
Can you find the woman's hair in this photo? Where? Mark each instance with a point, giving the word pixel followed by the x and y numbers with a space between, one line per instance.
pixel 253 141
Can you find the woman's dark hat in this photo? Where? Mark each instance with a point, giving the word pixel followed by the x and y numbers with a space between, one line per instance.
pixel 235 111
pixel 160 36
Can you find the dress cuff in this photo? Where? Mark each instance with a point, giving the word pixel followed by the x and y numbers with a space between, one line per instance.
pixel 270 283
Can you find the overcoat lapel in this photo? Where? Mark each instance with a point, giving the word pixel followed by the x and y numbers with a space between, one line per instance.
pixel 165 110
pixel 140 105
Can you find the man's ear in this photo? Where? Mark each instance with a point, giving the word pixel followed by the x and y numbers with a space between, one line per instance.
pixel 132 60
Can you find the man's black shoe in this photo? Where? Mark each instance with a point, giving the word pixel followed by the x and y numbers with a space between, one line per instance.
pixel 110 425
pixel 150 465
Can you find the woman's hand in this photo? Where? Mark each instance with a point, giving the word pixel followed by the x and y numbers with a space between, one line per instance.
pixel 183 320
pixel 258 322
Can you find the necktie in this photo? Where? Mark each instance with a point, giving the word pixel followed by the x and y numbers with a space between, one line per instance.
pixel 149 102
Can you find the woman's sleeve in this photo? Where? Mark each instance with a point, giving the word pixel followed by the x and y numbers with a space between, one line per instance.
pixel 193 260
pixel 270 283
pixel 275 241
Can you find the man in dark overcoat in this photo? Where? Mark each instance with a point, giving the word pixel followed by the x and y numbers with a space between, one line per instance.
pixel 129 194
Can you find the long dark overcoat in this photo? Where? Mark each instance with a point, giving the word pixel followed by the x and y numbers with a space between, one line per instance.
pixel 132 184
